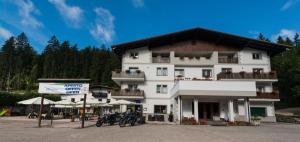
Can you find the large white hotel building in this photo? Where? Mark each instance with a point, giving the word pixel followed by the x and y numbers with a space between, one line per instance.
pixel 199 73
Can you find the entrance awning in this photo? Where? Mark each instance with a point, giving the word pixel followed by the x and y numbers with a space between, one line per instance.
pixel 214 88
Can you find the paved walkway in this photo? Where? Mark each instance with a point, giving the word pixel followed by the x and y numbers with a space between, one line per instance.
pixel 26 131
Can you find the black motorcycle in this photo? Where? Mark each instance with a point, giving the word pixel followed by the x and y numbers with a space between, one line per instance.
pixel 131 118
pixel 106 119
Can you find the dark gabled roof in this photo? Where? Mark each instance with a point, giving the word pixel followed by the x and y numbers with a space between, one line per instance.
pixel 201 34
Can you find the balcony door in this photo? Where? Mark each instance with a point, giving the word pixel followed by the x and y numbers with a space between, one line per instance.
pixel 132 70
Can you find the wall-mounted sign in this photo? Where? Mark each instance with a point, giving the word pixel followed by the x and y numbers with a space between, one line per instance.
pixel 63 88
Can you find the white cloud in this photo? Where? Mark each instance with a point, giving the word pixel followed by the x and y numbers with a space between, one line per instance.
pixel 20 15
pixel 284 33
pixel 26 11
pixel 254 33
pixel 288 4
pixel 138 3
pixel 4 33
pixel 72 14
pixel 103 28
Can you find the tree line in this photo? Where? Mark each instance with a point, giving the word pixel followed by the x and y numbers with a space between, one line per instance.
pixel 21 65
pixel 287 66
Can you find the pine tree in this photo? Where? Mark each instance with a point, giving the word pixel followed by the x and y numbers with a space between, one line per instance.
pixel 50 60
pixel 280 40
pixel 7 58
pixel 296 40
pixel 262 37
pixel 288 41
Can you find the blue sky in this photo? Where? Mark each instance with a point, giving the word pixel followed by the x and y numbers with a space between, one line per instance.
pixel 93 22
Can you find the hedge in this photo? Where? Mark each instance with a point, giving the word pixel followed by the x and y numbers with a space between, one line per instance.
pixel 11 99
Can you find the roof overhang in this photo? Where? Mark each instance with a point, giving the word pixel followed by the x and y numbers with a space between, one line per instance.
pixel 201 34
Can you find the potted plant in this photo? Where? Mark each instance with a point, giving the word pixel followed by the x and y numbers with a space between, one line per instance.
pixel 127 71
pixel 138 71
pixel 181 57
pixel 255 120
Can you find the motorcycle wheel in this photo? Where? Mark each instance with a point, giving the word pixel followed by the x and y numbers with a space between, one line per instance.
pixel 122 123
pixel 99 123
pixel 132 123
pixel 111 122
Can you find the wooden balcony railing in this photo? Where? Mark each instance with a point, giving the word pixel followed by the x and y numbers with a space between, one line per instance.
pixel 160 60
pixel 128 74
pixel 234 60
pixel 267 95
pixel 245 75
pixel 128 92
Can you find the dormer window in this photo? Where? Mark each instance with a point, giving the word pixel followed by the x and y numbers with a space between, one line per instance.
pixel 256 56
pixel 134 55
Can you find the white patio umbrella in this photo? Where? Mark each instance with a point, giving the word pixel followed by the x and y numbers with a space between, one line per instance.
pixel 105 105
pixel 122 102
pixel 36 101
pixel 64 102
pixel 90 102
pixel 62 106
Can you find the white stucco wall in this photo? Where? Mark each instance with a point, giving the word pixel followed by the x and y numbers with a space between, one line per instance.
pixel 194 72
pixel 144 56
pixel 245 57
pixel 267 104
pixel 151 69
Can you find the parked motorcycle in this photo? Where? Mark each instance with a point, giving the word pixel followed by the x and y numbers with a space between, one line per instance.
pixel 131 118
pixel 106 119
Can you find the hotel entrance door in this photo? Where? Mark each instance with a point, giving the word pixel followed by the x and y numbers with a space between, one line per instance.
pixel 208 110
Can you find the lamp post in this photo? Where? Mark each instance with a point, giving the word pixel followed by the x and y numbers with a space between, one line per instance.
pixel 8 76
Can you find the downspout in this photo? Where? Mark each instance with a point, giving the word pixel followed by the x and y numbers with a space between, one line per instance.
pixel 248 107
pixel 180 110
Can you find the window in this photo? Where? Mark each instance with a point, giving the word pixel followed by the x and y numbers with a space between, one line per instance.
pixel 258 70
pixel 133 69
pixel 162 109
pixel 100 100
pixel 72 99
pixel 162 71
pixel 132 86
pixel 81 99
pixel 258 111
pixel 179 72
pixel 134 55
pixel 163 89
pixel 226 70
pixel 206 73
pixel 108 101
pixel 256 56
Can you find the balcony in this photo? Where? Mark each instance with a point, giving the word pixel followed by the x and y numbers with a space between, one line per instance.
pixel 267 95
pixel 128 94
pixel 160 60
pixel 136 76
pixel 233 60
pixel 194 58
pixel 244 75
pixel 214 88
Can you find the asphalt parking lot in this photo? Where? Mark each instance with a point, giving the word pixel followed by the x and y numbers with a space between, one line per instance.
pixel 26 131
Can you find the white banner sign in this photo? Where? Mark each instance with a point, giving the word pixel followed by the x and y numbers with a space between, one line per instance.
pixel 63 88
